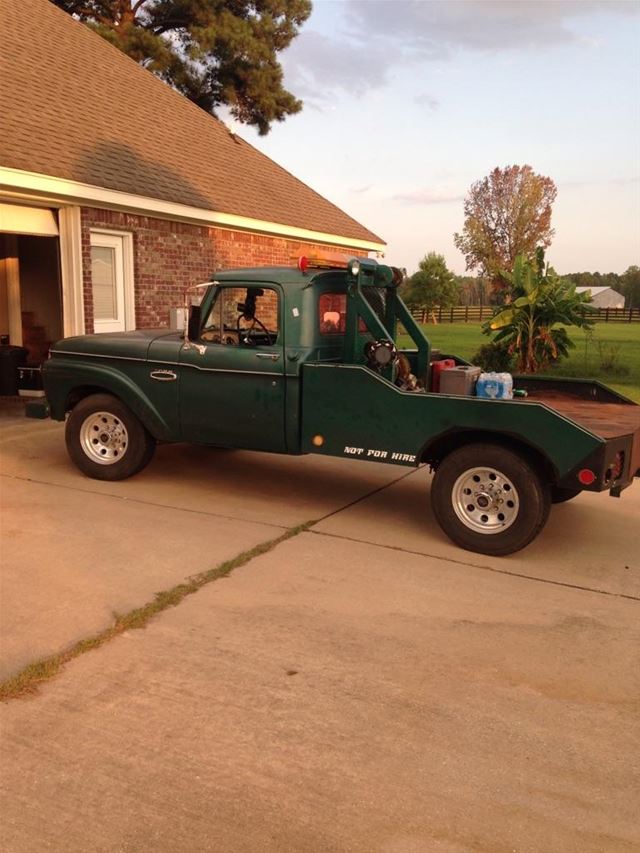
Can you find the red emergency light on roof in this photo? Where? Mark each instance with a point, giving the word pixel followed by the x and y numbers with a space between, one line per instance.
pixel 322 262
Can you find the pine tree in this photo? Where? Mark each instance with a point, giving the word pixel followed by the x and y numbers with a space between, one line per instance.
pixel 215 52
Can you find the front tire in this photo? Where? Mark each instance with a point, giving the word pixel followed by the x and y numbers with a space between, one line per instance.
pixel 105 440
pixel 489 499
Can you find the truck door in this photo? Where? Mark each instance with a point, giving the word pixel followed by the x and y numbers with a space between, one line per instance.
pixel 232 381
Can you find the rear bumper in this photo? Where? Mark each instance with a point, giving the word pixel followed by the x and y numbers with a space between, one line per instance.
pixel 604 466
pixel 38 409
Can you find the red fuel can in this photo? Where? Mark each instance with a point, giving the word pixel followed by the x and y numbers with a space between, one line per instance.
pixel 436 369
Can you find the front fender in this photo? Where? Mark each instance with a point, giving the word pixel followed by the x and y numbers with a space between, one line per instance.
pixel 64 376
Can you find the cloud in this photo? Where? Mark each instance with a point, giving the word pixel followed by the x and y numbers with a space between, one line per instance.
pixel 370 39
pixel 426 100
pixel 434 28
pixel 624 181
pixel 428 196
pixel 360 190
pixel 317 66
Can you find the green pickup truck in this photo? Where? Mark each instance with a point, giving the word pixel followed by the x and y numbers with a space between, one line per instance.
pixel 306 360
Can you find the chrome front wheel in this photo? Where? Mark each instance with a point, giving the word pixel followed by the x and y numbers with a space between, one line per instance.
pixel 104 438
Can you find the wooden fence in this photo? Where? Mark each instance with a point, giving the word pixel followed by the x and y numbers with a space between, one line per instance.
pixel 479 313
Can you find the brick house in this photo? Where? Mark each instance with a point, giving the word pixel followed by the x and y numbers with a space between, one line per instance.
pixel 116 192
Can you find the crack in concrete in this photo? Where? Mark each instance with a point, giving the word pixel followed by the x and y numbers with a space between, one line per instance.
pixel 483 568
pixel 27 680
pixel 143 502
pixel 199 511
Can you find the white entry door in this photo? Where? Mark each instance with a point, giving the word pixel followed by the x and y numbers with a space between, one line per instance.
pixel 112 282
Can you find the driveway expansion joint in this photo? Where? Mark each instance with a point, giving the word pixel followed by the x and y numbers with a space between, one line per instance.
pixel 26 681
pixel 480 567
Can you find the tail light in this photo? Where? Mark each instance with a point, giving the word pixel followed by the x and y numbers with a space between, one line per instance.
pixel 615 469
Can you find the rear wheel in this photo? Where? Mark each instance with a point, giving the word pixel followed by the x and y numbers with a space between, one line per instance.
pixel 489 499
pixel 106 440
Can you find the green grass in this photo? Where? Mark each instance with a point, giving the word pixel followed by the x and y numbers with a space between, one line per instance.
pixel 585 361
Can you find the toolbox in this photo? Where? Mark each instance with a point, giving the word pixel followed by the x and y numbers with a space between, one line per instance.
pixel 460 379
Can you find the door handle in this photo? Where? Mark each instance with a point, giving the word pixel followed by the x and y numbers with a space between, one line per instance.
pixel 272 356
pixel 163 375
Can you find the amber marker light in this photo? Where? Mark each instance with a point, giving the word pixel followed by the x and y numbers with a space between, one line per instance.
pixel 586 477
pixel 317 440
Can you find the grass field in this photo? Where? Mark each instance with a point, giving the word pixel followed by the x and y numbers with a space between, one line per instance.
pixel 617 342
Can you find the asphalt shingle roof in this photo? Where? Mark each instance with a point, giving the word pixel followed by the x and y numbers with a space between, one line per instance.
pixel 73 106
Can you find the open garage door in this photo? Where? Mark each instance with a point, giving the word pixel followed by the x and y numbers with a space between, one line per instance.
pixel 30 292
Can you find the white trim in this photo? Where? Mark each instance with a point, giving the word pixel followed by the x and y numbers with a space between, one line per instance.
pixel 19 219
pixel 122 244
pixel 73 191
pixel 128 267
pixel 71 269
pixel 11 275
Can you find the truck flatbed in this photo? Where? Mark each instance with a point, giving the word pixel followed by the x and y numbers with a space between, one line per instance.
pixel 606 420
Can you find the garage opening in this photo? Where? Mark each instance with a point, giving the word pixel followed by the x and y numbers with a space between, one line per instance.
pixel 30 294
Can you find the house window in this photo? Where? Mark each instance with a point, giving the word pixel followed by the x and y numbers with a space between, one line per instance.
pixel 112 281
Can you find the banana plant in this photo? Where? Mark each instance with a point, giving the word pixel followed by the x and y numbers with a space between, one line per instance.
pixel 542 305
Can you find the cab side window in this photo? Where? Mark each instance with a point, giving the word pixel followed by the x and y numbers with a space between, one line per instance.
pixel 243 316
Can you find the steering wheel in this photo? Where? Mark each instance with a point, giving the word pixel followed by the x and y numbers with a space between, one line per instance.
pixel 245 335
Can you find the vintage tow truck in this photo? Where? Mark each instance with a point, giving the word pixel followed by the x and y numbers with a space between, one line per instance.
pixel 305 360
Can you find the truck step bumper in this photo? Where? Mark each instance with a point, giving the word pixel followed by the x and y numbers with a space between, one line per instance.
pixel 38 409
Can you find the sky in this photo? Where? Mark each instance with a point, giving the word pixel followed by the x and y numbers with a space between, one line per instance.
pixel 407 103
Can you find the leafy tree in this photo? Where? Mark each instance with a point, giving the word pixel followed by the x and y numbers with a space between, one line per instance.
pixel 213 51
pixel 534 324
pixel 507 213
pixel 432 286
pixel 596 279
pixel 630 286
pixel 494 357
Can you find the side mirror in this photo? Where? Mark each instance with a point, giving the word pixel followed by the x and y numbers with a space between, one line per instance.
pixel 195 318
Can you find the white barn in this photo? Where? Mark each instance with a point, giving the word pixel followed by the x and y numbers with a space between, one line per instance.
pixel 603 297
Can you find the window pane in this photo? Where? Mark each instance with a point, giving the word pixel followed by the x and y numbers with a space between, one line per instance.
pixel 332 312
pixel 226 324
pixel 103 277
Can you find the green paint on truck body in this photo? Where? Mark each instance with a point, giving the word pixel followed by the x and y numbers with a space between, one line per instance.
pixel 365 416
pixel 311 390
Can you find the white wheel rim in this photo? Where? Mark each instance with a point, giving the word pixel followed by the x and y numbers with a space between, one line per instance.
pixel 485 500
pixel 104 438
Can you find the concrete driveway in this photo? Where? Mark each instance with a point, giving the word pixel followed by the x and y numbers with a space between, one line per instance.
pixel 362 686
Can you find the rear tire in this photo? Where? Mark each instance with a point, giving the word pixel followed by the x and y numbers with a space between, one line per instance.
pixel 560 495
pixel 105 440
pixel 489 499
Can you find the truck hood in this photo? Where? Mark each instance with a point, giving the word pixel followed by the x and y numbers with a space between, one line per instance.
pixel 133 344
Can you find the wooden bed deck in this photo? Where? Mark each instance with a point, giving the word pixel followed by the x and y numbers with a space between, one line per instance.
pixel 607 420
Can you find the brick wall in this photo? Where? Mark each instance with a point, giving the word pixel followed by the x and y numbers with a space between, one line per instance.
pixel 170 256
pixel 167 258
